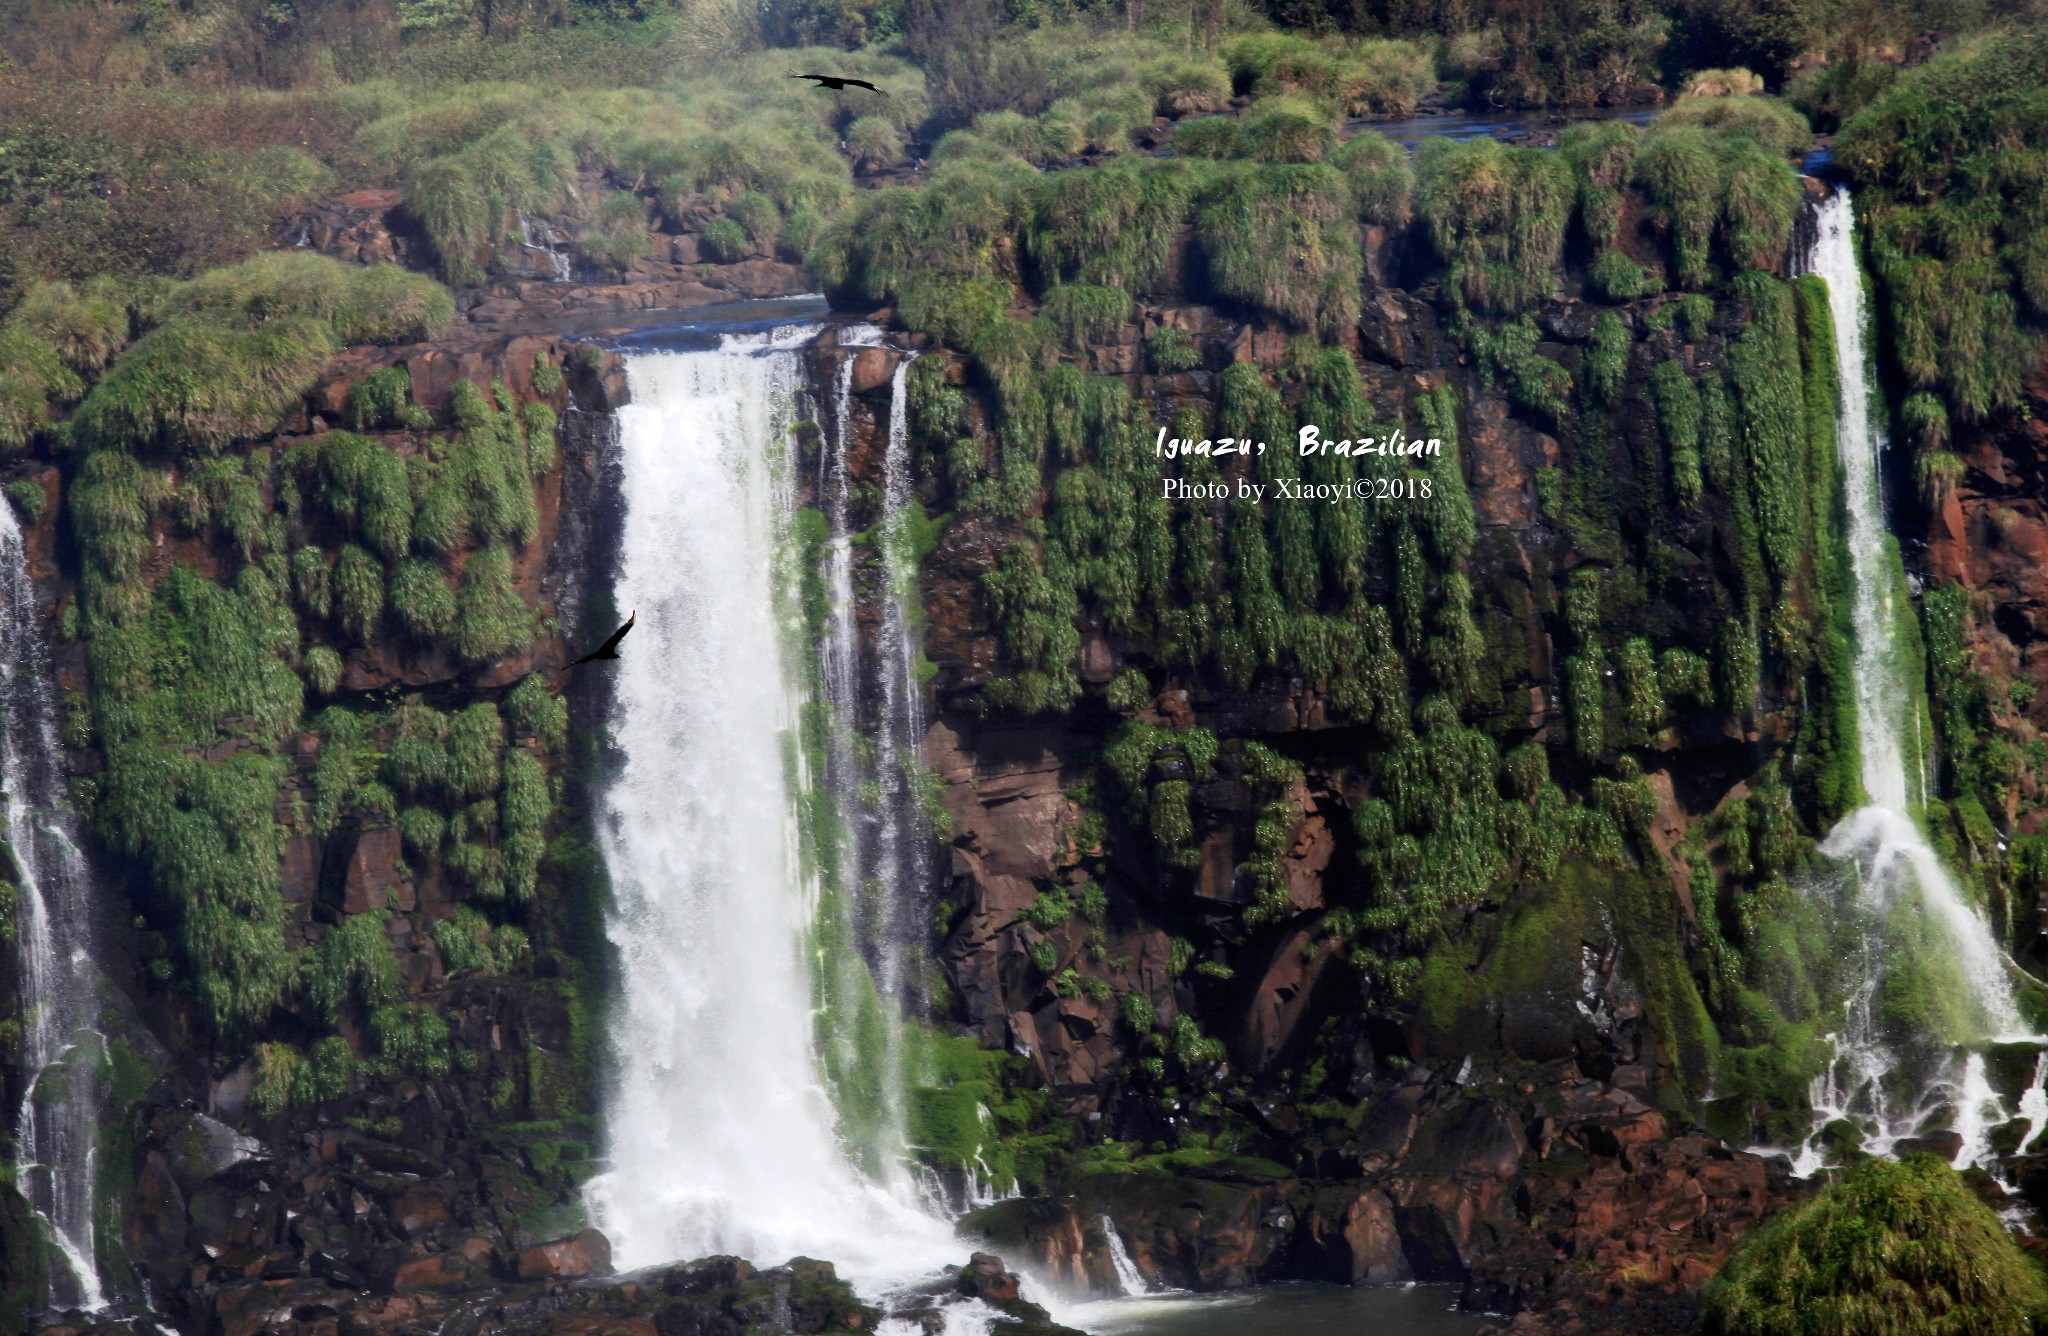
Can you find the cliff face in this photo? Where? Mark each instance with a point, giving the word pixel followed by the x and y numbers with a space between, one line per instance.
pixel 1183 897
pixel 1524 1124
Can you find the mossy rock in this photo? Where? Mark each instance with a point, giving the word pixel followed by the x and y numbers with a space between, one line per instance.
pixel 23 1264
pixel 1896 1248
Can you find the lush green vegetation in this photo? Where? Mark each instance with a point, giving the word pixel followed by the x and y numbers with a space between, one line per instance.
pixel 1949 157
pixel 1899 1247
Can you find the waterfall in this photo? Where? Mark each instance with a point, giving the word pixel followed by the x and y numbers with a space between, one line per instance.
pixel 1127 1277
pixel 535 237
pixel 720 1128
pixel 1896 870
pixel 873 761
pixel 57 1130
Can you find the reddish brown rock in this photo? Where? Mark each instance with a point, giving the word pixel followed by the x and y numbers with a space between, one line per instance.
pixel 586 1254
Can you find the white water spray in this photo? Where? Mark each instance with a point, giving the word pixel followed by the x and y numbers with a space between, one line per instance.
pixel 57 1126
pixel 1896 868
pixel 720 1131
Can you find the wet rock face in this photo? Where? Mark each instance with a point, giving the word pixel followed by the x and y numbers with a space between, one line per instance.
pixel 1579 1196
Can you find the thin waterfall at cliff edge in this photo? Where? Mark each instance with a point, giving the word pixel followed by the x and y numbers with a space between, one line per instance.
pixel 1894 1085
pixel 721 1133
pixel 57 1126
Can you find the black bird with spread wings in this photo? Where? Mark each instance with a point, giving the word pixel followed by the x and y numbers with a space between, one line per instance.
pixel 610 648
pixel 838 84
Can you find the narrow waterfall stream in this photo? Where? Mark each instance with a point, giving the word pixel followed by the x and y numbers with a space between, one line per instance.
pixel 722 1133
pixel 1892 1093
pixel 57 1125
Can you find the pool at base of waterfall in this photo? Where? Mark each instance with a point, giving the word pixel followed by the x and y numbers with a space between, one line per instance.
pixel 1290 1309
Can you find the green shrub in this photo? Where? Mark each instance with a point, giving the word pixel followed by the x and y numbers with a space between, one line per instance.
pixel 1285 129
pixel 1497 216
pixel 523 807
pixel 1284 240
pixel 378 303
pixel 1678 416
pixel 358 584
pixel 467 941
pixel 491 618
pixel 1618 278
pixel 352 966
pixel 538 422
pixel 360 483
pixel 327 1073
pixel 538 712
pixel 1602 157
pixel 1172 350
pixel 1774 126
pixel 33 378
pixel 1385 77
pixel 1704 185
pixel 277 1069
pixel 29 498
pixel 874 142
pixel 421 598
pixel 413 1038
pixel 725 240
pixel 196 387
pixel 464 198
pixel 1214 137
pixel 476 738
pixel 165 687
pixel 323 669
pixel 613 251
pixel 547 377
pixel 1052 137
pixel 1112 227
pixel 1084 314
pixel 422 828
pixel 1762 198
pixel 1382 180
pixel 1679 170
pixel 86 326
pixel 1185 86
pixel 478 489
pixel 1893 1247
pixel 379 400
pixel 955 311
pixel 1605 365
pixel 1953 215
pixel 758 214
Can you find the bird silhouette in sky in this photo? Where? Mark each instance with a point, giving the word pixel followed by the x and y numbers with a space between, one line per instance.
pixel 610 648
pixel 838 84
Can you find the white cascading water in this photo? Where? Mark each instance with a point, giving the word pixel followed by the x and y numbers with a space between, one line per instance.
pixel 1128 1278
pixel 57 1128
pixel 1892 857
pixel 535 237
pixel 720 1131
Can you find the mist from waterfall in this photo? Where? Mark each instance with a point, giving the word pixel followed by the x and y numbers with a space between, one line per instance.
pixel 1896 871
pixel 57 1126
pixel 721 1132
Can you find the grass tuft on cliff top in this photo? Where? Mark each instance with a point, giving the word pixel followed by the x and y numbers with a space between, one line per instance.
pixel 363 303
pixel 1894 1249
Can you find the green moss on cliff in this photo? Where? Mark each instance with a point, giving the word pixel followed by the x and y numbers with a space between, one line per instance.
pixel 1894 1247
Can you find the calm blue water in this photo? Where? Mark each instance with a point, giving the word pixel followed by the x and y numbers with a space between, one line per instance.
pixel 1281 1310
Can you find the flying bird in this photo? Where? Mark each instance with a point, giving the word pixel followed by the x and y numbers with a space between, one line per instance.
pixel 610 648
pixel 838 84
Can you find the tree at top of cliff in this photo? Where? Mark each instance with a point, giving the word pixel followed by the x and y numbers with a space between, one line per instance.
pixel 1896 1248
